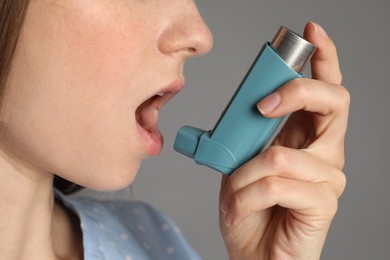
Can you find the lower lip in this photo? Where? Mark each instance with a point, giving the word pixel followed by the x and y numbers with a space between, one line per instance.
pixel 153 141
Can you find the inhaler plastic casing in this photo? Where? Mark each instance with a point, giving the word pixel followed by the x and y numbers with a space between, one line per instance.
pixel 242 132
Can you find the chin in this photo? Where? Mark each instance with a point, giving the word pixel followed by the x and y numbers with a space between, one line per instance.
pixel 111 179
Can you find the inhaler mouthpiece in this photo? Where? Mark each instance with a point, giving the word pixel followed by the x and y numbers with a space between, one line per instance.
pixel 242 132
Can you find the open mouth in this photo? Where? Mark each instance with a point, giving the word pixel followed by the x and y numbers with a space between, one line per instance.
pixel 146 116
pixel 147 119
pixel 147 113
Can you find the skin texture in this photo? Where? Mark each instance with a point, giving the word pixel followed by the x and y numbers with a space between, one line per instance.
pixel 280 204
pixel 73 111
pixel 81 71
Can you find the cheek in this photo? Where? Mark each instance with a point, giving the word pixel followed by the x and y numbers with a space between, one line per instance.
pixel 71 112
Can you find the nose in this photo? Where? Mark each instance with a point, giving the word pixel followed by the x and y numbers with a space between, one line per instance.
pixel 186 33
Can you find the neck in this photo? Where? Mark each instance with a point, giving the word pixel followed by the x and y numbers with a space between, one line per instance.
pixel 26 206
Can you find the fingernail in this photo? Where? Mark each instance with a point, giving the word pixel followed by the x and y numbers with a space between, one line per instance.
pixel 269 104
pixel 319 29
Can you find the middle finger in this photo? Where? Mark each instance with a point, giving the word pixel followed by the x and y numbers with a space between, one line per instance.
pixel 283 162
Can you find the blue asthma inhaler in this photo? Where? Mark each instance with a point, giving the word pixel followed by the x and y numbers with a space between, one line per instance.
pixel 242 132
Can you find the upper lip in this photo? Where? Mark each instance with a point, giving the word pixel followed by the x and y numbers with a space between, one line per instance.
pixel 169 91
pixel 147 112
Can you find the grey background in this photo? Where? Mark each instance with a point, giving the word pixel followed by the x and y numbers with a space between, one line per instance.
pixel 189 193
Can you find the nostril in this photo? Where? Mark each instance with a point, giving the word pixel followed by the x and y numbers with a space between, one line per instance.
pixel 191 49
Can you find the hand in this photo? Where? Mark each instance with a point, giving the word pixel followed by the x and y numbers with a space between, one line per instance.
pixel 280 204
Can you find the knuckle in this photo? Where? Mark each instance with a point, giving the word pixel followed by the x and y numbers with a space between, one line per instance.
pixel 300 88
pixel 330 201
pixel 270 185
pixel 341 183
pixel 344 98
pixel 238 200
pixel 233 184
pixel 276 157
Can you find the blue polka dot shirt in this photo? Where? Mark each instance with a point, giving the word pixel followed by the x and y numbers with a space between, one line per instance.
pixel 128 230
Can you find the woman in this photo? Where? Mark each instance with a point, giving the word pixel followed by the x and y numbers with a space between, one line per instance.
pixel 82 83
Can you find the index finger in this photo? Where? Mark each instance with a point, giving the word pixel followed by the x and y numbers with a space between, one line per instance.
pixel 325 63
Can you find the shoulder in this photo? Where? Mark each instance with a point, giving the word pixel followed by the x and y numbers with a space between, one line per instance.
pixel 128 228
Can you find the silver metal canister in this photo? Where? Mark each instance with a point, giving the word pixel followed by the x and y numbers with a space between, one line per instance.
pixel 292 48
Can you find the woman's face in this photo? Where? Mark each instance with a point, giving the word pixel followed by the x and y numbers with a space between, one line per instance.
pixel 83 95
